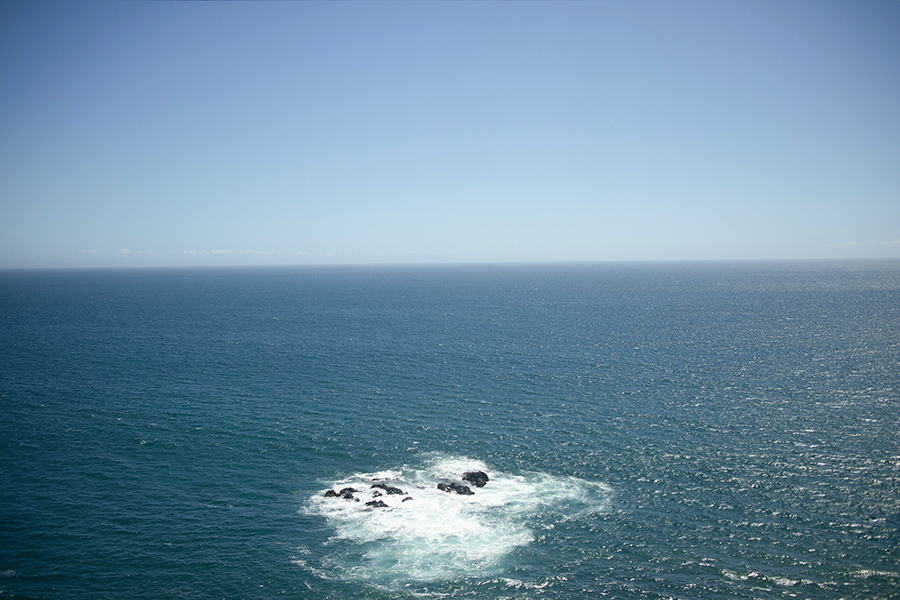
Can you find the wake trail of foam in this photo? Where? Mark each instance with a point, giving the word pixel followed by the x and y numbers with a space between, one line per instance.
pixel 425 534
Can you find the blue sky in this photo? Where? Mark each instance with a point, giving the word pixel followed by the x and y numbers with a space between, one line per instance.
pixel 157 134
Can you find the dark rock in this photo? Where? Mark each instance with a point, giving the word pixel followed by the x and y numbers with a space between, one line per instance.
pixel 377 504
pixel 455 488
pixel 389 489
pixel 347 494
pixel 476 478
pixel 376 494
pixel 407 498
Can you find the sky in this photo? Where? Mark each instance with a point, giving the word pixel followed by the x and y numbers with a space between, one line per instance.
pixel 282 133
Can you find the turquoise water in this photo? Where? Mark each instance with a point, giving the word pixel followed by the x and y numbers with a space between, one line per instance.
pixel 721 430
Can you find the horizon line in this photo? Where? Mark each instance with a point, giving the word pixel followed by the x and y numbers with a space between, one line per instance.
pixel 671 261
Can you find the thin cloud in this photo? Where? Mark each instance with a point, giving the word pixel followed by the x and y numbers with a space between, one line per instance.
pixel 222 251
pixel 127 252
pixel 882 244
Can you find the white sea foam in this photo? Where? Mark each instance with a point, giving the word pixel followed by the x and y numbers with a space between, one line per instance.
pixel 426 534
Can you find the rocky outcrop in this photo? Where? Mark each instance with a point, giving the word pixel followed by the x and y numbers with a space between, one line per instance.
pixel 389 489
pixel 476 478
pixel 455 488
pixel 346 494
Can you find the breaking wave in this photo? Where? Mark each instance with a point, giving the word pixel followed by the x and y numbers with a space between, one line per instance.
pixel 425 534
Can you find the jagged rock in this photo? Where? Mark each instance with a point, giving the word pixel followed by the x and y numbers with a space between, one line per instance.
pixel 346 494
pixel 407 498
pixel 377 504
pixel 455 488
pixel 476 478
pixel 389 489
pixel 376 494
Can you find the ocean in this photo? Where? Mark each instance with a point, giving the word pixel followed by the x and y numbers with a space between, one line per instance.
pixel 648 430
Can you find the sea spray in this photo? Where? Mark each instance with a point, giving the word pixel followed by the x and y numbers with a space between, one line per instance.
pixel 426 534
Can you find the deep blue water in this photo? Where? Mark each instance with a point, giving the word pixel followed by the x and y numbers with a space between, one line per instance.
pixel 720 430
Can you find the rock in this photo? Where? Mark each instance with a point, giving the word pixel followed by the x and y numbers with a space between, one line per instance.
pixel 346 494
pixel 476 478
pixel 377 504
pixel 455 488
pixel 376 494
pixel 407 498
pixel 389 489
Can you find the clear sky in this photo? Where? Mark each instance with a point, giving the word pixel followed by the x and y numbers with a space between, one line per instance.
pixel 168 133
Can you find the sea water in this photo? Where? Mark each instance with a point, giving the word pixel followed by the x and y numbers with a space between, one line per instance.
pixel 676 430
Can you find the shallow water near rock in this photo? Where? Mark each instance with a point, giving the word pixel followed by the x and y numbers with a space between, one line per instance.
pixel 427 534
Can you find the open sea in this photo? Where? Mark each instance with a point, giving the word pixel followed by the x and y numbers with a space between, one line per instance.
pixel 668 430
